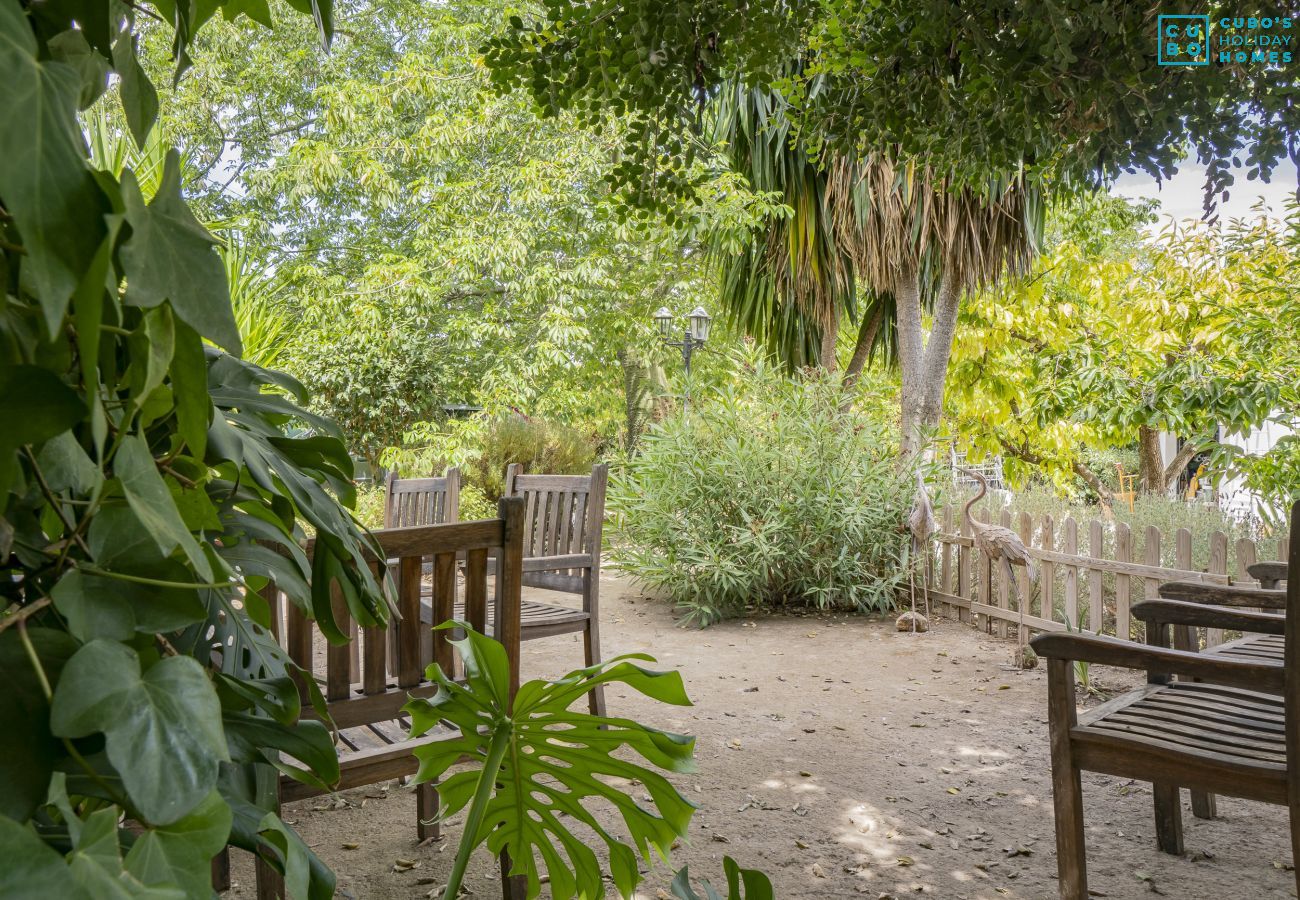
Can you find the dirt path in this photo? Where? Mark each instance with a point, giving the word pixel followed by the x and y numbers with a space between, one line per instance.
pixel 845 760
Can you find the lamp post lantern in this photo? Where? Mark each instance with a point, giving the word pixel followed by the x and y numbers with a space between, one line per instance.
pixel 694 334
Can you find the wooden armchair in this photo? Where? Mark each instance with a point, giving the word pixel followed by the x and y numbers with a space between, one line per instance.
pixel 372 732
pixel 1217 722
pixel 422 501
pixel 563 521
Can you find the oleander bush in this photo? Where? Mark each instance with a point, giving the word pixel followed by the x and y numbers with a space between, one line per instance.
pixel 766 494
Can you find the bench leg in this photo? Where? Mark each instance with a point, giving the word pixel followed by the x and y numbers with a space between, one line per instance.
pixel 1203 805
pixel 512 888
pixel 221 871
pixel 1067 789
pixel 591 639
pixel 270 883
pixel 1294 810
pixel 1169 818
pixel 426 811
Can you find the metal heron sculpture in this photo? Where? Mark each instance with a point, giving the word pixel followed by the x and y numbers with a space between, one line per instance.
pixel 1004 545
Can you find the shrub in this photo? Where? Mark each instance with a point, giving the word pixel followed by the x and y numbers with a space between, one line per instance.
pixel 769 494
pixel 539 446
pixel 484 447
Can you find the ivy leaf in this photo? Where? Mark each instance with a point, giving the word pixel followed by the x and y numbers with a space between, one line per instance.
pixel 99 607
pixel 46 184
pixel 189 373
pixel 170 256
pixel 28 751
pixel 139 98
pixel 32 868
pixel 181 853
pixel 161 728
pixel 35 405
pixel 149 499
pixel 70 47
pixel 96 863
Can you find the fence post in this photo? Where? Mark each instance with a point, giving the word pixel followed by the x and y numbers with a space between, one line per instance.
pixel 945 555
pixel 1004 586
pixel 1218 566
pixel 1048 575
pixel 964 573
pixel 1185 637
pixel 1072 574
pixel 1151 586
pixel 1096 598
pixel 1123 554
pixel 1025 602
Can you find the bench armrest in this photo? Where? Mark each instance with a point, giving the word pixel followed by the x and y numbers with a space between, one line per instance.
pixel 1177 612
pixel 1109 651
pixel 1223 594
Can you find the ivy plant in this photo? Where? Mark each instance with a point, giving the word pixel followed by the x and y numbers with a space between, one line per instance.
pixel 149 486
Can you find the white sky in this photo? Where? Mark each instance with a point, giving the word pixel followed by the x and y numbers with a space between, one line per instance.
pixel 1180 197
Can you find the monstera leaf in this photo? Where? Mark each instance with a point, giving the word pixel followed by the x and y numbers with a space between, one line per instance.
pixel 540 762
pixel 742 884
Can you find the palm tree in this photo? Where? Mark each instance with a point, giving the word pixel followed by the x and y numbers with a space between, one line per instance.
pixel 872 239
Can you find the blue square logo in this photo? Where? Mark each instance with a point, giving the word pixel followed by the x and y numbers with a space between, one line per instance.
pixel 1183 40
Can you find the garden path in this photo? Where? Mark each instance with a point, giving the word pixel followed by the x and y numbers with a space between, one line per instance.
pixel 845 760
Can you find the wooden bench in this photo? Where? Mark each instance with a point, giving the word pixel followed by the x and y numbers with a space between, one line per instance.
pixel 563 525
pixel 1216 723
pixel 373 746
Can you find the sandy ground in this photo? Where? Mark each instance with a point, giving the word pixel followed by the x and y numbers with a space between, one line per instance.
pixel 845 760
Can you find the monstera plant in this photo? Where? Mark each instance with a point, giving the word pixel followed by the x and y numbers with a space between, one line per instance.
pixel 535 762
pixel 147 478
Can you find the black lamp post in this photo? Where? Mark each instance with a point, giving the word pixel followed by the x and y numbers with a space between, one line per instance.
pixel 694 334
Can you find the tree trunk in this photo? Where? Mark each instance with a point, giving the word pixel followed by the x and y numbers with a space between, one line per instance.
pixel 830 337
pixel 924 362
pixel 1151 465
pixel 867 332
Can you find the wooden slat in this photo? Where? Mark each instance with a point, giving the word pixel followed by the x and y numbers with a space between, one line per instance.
pixel 552 483
pixel 1096 597
pixel 374 673
pixel 1003 582
pixel 964 572
pixel 579 534
pixel 1218 566
pixel 338 657
pixel 476 590
pixel 1224 595
pixel 509 588
pixel 1123 554
pixel 565 543
pixel 1048 570
pixel 1151 586
pixel 444 607
pixel 555 509
pixel 530 516
pixel 299 644
pixel 409 668
pixel 945 556
pixel 997 613
pixel 1072 573
pixel 426 540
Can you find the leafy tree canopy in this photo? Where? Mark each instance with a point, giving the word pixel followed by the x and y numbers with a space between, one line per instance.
pixel 1066 88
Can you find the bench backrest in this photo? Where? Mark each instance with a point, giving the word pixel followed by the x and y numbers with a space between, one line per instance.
pixel 368 686
pixel 422 501
pixel 565 513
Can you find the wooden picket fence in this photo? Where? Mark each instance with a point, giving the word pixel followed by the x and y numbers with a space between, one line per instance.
pixel 1092 588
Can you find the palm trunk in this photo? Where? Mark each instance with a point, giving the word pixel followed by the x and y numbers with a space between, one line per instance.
pixel 924 362
pixel 867 332
pixel 830 336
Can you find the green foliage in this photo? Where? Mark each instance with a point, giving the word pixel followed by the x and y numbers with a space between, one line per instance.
pixel 484 447
pixel 742 884
pixel 766 495
pixel 1118 331
pixel 536 764
pixel 439 245
pixel 143 471
pixel 964 91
